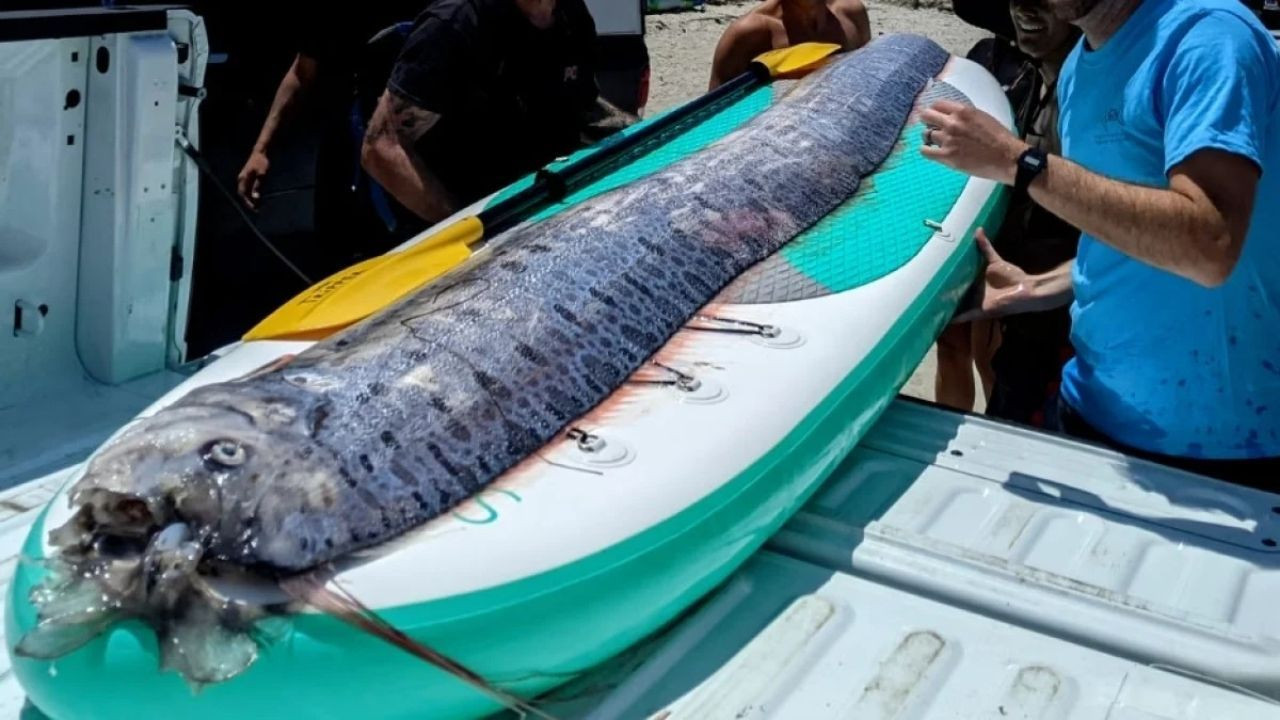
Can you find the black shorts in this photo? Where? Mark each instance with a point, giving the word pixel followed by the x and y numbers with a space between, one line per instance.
pixel 1261 473
pixel 1027 366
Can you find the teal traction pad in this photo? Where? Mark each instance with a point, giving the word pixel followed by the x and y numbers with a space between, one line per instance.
pixel 872 234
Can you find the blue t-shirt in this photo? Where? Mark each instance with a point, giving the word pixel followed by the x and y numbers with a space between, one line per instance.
pixel 1163 364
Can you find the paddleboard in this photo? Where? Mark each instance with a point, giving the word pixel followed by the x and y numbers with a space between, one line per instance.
pixel 641 507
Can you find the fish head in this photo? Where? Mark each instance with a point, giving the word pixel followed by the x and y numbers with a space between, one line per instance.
pixel 165 504
pixel 213 465
pixel 178 465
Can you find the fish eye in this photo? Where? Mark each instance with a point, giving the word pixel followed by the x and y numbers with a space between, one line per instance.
pixel 224 454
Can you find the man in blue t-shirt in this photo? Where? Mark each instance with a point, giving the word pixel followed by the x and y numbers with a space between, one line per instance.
pixel 1170 130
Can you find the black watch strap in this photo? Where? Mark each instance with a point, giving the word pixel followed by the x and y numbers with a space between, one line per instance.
pixel 1031 163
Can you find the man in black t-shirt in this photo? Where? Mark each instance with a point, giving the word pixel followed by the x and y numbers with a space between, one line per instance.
pixel 483 92
pixel 343 61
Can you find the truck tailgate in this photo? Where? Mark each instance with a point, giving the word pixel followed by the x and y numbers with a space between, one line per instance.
pixel 955 568
pixel 960 568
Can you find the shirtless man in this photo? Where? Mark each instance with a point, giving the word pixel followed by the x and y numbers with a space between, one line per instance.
pixel 782 23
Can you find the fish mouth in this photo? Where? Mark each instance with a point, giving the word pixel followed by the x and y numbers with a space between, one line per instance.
pixel 113 562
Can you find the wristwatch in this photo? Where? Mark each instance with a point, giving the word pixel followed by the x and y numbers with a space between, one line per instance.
pixel 1031 163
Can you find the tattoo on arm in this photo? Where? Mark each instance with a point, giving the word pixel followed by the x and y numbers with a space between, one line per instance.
pixel 391 157
pixel 603 119
pixel 411 121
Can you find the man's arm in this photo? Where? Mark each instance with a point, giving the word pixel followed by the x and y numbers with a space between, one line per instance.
pixel 1195 228
pixel 1219 83
pixel 389 156
pixel 742 41
pixel 292 90
pixel 855 13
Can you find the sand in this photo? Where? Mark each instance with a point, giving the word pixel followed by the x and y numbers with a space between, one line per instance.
pixel 681 45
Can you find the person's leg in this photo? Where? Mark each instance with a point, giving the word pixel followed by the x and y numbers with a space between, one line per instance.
pixel 953 385
pixel 985 341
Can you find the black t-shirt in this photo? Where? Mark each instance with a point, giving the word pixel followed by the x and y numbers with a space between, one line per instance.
pixel 1031 237
pixel 350 65
pixel 510 97
pixel 339 41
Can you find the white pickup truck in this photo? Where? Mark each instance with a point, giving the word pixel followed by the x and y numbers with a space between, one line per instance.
pixel 953 567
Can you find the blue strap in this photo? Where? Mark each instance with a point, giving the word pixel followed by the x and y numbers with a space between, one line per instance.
pixel 377 194
pixel 361 180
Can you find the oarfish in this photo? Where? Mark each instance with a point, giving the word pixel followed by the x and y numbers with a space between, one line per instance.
pixel 392 422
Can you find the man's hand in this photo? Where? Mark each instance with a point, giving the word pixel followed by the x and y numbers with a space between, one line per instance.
pixel 1009 290
pixel 1195 228
pixel 603 119
pixel 294 87
pixel 249 182
pixel 971 141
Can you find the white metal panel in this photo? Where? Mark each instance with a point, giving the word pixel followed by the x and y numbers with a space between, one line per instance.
pixel 51 412
pixel 617 17
pixel 1152 564
pixel 129 215
pixel 187 28
pixel 42 87
pixel 789 640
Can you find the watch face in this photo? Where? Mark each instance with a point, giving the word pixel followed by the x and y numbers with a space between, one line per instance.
pixel 1034 162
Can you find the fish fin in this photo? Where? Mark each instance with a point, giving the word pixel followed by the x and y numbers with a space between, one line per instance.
pixel 272 629
pixel 78 602
pixel 47 565
pixel 313 590
pixel 51 639
pixel 71 611
pixel 204 651
pixel 269 366
pixel 626 402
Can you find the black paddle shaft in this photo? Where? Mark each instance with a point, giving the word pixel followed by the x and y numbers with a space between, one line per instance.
pixel 553 185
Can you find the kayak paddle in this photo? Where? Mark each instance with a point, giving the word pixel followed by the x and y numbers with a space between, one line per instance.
pixel 366 287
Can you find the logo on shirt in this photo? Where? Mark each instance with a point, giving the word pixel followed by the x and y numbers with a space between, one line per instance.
pixel 1112 130
pixel 571 73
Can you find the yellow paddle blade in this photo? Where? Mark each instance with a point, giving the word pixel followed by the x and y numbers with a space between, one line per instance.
pixel 797 59
pixel 365 288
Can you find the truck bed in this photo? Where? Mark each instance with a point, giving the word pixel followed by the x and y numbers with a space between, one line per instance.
pixel 955 567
